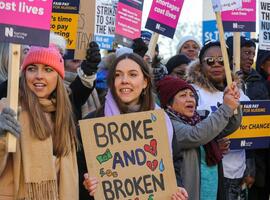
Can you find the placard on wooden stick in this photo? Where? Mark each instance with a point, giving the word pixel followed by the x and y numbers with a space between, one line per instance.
pixel 130 156
pixel 22 27
pixel 217 7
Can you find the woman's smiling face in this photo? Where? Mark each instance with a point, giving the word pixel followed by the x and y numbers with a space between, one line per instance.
pixel 129 82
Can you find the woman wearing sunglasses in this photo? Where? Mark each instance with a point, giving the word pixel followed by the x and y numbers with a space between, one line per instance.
pixel 208 78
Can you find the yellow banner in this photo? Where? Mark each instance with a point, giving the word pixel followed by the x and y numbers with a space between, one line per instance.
pixel 253 126
pixel 65 25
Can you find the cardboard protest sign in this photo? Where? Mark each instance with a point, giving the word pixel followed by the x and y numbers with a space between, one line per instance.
pixel 130 156
pixel 241 19
pixel 128 21
pixel 264 24
pixel 25 21
pixel 64 22
pixel 254 131
pixel 163 16
pixel 86 27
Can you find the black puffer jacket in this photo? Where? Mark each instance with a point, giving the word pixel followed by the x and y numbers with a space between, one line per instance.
pixel 262 56
pixel 254 86
pixel 261 156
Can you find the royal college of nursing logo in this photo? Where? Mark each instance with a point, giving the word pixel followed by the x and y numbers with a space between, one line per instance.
pixel 159 27
pixel 244 143
pixel 238 26
pixel 10 33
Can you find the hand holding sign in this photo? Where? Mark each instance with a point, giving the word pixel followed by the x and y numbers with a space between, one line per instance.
pixel 90 184
pixel 9 123
pixel 128 143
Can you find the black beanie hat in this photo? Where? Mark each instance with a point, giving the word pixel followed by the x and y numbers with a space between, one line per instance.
pixel 175 61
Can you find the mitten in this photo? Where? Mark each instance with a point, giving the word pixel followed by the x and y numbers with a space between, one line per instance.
pixel 8 123
pixel 92 59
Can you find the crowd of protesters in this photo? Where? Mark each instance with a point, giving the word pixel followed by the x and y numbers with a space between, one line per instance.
pixel 191 87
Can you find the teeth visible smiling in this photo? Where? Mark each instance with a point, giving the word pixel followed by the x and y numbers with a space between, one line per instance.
pixel 125 90
pixel 39 85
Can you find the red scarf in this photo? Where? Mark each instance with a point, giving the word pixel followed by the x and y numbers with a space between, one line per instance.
pixel 212 151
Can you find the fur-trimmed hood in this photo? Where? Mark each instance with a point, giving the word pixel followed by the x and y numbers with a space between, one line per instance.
pixel 196 76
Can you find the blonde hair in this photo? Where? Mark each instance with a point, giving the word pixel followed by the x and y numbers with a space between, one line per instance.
pixel 64 132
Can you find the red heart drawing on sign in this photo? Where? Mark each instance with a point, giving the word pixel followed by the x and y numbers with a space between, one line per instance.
pixel 152 148
pixel 152 165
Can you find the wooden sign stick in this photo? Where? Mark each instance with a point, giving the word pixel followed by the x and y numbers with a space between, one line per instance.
pixel 152 45
pixel 224 50
pixel 13 88
pixel 236 52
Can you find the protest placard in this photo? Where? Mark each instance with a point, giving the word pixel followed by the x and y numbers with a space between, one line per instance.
pixel 210 31
pixel 254 131
pixel 22 22
pixel 242 19
pixel 163 16
pixel 105 23
pixel 25 21
pixel 64 22
pixel 264 24
pixel 128 21
pixel 86 27
pixel 209 26
pixel 224 5
pixel 130 156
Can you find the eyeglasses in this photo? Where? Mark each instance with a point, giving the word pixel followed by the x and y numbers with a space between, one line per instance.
pixel 212 60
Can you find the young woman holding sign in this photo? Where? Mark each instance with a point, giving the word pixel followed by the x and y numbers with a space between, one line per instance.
pixel 130 90
pixel 44 165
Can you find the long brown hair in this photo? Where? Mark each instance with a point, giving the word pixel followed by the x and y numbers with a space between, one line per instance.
pixel 64 133
pixel 146 98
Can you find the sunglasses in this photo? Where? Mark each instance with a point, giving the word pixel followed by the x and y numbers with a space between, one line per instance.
pixel 212 60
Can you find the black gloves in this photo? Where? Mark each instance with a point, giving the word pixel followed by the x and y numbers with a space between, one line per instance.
pixel 139 47
pixel 9 123
pixel 92 59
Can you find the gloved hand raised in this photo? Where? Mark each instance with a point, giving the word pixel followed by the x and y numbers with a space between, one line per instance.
pixel 92 59
pixel 8 123
pixel 139 47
